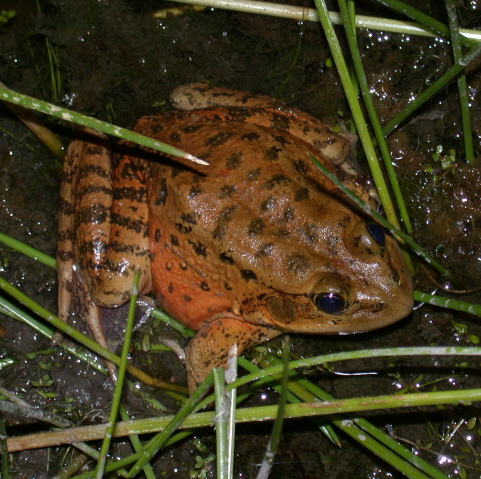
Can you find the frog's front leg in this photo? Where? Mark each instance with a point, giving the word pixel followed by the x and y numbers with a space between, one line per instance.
pixel 211 344
pixel 103 234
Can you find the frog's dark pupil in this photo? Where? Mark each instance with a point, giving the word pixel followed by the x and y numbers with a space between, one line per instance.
pixel 330 303
pixel 377 233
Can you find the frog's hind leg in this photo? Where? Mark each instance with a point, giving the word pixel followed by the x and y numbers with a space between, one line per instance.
pixel 210 346
pixel 100 245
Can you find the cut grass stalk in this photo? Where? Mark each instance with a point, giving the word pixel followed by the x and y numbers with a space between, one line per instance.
pixel 311 15
pixel 221 413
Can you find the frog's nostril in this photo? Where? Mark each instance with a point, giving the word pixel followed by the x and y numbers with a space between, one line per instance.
pixel 378 306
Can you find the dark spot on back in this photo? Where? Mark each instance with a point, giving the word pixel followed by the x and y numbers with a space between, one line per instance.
pixel 194 191
pixel 190 128
pixel 272 153
pixel 280 122
pixel 268 204
pixel 199 248
pixel 174 240
pixel 218 139
pixel 226 191
pixel 275 181
pixel 226 259
pixel 183 229
pixel 301 166
pixel 256 226
pixel 297 263
pixel 189 218
pixel 248 275
pixel 234 161
pixel 250 136
pixel 301 194
pixel 311 232
pixel 162 193
pixel 287 214
pixel 225 216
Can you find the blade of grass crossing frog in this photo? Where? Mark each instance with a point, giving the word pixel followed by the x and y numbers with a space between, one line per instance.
pixel 356 111
pixel 349 26
pixel 381 220
pixel 114 410
pixel 79 119
pixel 462 86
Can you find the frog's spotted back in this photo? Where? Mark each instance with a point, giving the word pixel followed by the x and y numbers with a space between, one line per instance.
pixel 258 242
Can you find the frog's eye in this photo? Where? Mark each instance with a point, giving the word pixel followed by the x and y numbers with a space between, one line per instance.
pixel 377 233
pixel 329 303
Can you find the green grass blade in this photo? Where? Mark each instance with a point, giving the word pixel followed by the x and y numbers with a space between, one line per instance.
pixel 376 124
pixel 440 83
pixel 381 220
pixel 114 410
pixel 356 112
pixel 423 19
pixel 462 86
pixel 275 438
pixel 79 119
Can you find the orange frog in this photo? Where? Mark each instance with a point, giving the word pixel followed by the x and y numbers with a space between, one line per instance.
pixel 257 243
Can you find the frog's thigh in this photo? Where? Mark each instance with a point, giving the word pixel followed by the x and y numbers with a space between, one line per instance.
pixel 211 345
pixel 111 227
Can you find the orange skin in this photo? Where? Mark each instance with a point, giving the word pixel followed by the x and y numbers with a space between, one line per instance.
pixel 256 243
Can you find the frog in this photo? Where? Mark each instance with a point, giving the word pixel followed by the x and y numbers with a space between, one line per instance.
pixel 255 243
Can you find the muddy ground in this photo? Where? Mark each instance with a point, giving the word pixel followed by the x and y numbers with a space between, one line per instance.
pixel 115 61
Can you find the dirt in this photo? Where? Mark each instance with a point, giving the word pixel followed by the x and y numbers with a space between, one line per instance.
pixel 116 62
